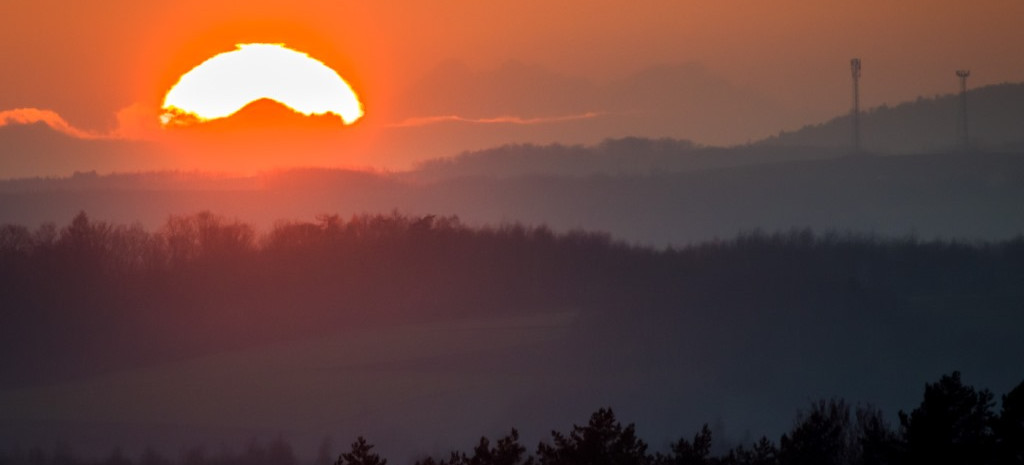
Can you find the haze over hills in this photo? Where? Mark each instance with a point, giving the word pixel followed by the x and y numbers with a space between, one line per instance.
pixel 924 125
pixel 622 111
pixel 996 123
pixel 442 116
pixel 38 150
pixel 629 156
pixel 673 100
pixel 554 309
pixel 523 212
pixel 970 196
pixel 649 191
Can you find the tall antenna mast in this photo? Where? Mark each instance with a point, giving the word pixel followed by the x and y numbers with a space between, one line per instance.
pixel 965 139
pixel 855 112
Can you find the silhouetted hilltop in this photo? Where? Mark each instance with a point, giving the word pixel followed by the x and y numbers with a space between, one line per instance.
pixel 267 115
pixel 996 119
pixel 921 126
pixel 628 156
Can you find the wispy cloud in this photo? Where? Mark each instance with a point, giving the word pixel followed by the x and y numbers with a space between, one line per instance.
pixel 516 120
pixel 133 122
pixel 50 118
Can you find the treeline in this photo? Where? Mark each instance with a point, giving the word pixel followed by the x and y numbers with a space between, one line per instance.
pixel 955 424
pixel 75 297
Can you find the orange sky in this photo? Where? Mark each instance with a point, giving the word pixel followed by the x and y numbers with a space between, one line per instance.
pixel 90 62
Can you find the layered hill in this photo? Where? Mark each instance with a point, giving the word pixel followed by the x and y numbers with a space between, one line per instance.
pixel 971 196
pixel 995 116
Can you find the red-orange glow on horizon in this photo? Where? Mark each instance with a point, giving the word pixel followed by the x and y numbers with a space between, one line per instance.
pixel 227 82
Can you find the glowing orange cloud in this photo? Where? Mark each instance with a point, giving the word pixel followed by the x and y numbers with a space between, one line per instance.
pixel 49 117
pixel 227 82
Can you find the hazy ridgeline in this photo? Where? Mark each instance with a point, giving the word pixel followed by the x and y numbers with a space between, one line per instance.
pixel 954 424
pixel 650 192
pixel 76 297
pixel 925 124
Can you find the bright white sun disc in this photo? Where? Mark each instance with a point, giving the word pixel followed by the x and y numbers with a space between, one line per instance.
pixel 227 82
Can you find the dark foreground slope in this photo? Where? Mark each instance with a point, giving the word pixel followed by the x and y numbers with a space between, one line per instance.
pixel 955 424
pixel 383 324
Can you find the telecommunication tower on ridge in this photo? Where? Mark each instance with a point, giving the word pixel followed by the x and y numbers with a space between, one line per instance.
pixel 855 112
pixel 965 140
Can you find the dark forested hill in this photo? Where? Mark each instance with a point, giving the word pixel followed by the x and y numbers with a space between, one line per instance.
pixel 996 122
pixel 927 124
pixel 390 322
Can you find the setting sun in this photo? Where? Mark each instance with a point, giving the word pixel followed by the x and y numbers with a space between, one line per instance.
pixel 253 232
pixel 229 81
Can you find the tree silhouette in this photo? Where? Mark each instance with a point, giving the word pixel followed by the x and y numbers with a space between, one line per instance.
pixel 85 242
pixel 765 453
pixel 604 441
pixel 360 455
pixel 1009 428
pixel 689 453
pixel 821 436
pixel 951 426
pixel 507 451
pixel 877 442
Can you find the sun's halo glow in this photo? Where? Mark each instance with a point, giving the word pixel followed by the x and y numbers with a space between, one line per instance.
pixel 227 82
